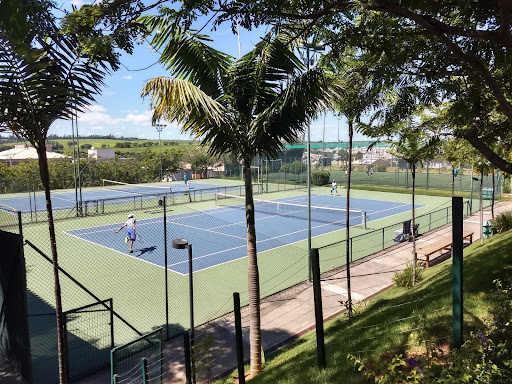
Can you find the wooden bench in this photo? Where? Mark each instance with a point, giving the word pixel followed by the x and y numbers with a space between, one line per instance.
pixel 444 244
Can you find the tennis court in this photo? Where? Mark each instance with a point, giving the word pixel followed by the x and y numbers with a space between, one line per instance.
pixel 218 235
pixel 107 194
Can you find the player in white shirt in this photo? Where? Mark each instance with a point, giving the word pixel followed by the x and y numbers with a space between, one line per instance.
pixel 132 235
pixel 334 187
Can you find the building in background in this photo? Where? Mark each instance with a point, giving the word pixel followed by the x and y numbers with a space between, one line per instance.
pixel 104 154
pixel 22 153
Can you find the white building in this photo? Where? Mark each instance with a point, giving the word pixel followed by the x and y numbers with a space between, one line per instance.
pixel 100 153
pixel 22 153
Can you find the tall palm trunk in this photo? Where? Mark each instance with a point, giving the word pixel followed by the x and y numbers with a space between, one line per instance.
pixel 45 179
pixel 347 236
pixel 254 277
pixel 412 226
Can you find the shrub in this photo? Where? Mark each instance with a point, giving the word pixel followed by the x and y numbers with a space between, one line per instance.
pixel 320 178
pixel 404 278
pixel 502 222
pixel 507 184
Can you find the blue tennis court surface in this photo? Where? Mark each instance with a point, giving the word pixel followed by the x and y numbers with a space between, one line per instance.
pixel 66 200
pixel 218 235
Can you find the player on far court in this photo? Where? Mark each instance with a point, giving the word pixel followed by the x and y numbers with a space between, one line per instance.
pixel 130 225
pixel 185 179
pixel 334 187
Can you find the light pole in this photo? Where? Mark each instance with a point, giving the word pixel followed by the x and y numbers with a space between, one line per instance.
pixel 182 244
pixel 308 62
pixel 159 128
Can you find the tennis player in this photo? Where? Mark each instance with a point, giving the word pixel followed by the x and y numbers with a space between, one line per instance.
pixel 130 225
pixel 185 179
pixel 334 187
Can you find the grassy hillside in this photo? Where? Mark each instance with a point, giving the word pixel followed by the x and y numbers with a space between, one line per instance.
pixel 137 146
pixel 397 321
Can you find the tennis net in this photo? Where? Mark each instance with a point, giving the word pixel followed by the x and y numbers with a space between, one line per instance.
pixel 326 215
pixel 134 189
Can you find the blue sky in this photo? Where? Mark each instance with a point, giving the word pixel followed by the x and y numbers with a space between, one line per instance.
pixel 121 111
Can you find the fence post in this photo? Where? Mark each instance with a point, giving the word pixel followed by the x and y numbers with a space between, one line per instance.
pixel 166 272
pixel 186 351
pixel 239 340
pixel 383 240
pixel 319 318
pixel 430 221
pixel 457 270
pixel 448 213
pixel 115 379
pixel 145 375
pixel 113 372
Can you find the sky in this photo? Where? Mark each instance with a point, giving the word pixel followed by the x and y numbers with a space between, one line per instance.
pixel 121 111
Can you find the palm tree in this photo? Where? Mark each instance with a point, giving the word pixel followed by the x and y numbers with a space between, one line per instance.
pixel 246 107
pixel 42 80
pixel 415 146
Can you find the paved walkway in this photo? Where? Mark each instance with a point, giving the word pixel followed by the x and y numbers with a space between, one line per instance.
pixel 291 313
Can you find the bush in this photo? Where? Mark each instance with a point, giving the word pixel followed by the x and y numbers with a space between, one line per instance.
pixel 502 222
pixel 404 278
pixel 320 178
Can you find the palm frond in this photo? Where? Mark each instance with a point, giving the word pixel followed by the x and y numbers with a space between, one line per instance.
pixel 187 55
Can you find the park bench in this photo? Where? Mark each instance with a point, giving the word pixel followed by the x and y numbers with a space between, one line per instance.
pixel 438 247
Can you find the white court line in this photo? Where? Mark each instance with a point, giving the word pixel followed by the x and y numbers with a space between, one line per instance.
pixel 245 245
pixel 122 253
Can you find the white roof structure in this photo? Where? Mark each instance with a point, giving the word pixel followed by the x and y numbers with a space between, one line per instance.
pixel 24 153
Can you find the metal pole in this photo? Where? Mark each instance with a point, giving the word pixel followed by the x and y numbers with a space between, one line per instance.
pixel 309 187
pixel 160 144
pixel 239 340
pixel 78 167
pixel 471 194
pixel 186 347
pixel 166 272
pixel 191 300
pixel 457 271
pixel 74 165
pixel 319 318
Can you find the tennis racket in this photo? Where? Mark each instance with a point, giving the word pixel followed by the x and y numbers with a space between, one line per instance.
pixel 140 238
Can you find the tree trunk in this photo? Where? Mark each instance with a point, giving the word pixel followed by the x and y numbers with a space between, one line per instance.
pixel 347 236
pixel 412 226
pixel 254 278
pixel 45 179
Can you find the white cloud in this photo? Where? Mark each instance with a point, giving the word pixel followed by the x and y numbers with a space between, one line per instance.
pixel 77 3
pixel 128 77
pixel 97 108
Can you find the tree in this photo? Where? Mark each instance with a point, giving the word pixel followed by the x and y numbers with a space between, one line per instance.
pixel 414 146
pixel 43 78
pixel 246 107
pixel 199 161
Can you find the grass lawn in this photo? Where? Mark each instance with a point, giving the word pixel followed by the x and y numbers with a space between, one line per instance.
pixel 184 145
pixel 397 321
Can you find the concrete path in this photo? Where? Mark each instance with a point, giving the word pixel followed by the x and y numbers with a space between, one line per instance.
pixel 289 314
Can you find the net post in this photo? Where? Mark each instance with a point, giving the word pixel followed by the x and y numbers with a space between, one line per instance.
pixel 115 379
pixel 383 239
pixel 365 218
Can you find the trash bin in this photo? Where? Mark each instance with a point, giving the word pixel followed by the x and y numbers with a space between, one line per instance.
pixel 487 229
